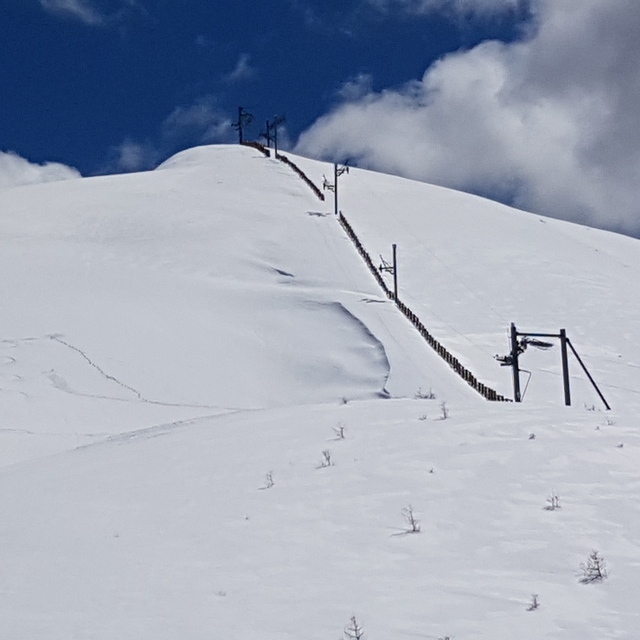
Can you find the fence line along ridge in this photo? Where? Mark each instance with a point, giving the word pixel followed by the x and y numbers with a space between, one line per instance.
pixel 302 174
pixel 484 390
pixel 258 146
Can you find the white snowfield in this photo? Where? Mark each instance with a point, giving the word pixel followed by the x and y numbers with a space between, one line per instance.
pixel 210 427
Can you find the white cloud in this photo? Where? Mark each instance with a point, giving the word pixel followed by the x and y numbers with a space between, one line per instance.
pixel 199 123
pixel 89 12
pixel 551 124
pixel 81 10
pixel 243 69
pixel 356 88
pixel 132 156
pixel 16 171
pixel 457 6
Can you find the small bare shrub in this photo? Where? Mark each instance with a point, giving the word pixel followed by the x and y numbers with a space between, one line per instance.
pixel 553 502
pixel 354 631
pixel 326 459
pixel 444 411
pixel 412 521
pixel 421 395
pixel 594 569
pixel 339 431
pixel 534 604
pixel 268 480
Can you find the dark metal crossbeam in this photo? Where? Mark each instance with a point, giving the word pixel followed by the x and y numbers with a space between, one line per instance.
pixel 537 335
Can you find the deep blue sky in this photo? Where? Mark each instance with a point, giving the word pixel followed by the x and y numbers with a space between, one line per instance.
pixel 76 83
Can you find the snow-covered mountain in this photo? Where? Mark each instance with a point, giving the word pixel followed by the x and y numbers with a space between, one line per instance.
pixel 215 422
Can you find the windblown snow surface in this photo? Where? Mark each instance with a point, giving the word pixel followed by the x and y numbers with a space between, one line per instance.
pixel 180 347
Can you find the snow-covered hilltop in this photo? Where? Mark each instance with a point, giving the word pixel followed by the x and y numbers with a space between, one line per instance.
pixel 210 422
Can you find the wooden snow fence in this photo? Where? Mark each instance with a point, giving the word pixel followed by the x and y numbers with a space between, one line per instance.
pixel 302 174
pixel 447 356
pixel 484 390
pixel 258 146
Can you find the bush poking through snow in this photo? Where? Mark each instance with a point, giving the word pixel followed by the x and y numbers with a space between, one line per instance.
pixel 420 395
pixel 412 521
pixel 353 631
pixel 326 459
pixel 594 569
pixel 553 502
pixel 535 603
pixel 339 431
pixel 444 411
pixel 268 480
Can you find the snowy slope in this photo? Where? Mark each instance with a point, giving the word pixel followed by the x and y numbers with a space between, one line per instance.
pixel 176 342
pixel 470 267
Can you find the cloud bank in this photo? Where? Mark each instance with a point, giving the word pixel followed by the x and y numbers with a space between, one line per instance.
pixel 16 171
pixel 550 123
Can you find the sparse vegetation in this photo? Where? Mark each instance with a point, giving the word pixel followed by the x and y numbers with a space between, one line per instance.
pixel 429 395
pixel 412 521
pixel 326 459
pixel 553 502
pixel 594 569
pixel 444 411
pixel 268 480
pixel 339 431
pixel 354 631
pixel 534 604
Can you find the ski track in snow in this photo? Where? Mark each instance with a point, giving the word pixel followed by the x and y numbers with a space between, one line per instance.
pixel 62 385
pixel 101 371
pixel 147 433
